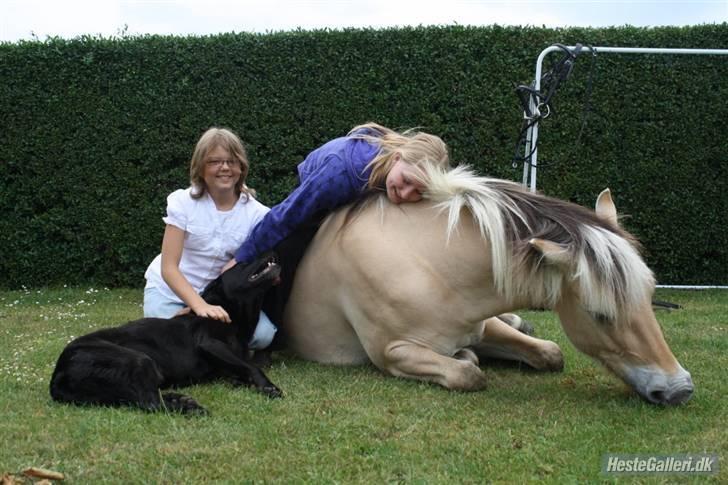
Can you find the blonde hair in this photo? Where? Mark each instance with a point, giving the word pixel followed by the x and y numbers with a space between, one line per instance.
pixel 229 141
pixel 414 147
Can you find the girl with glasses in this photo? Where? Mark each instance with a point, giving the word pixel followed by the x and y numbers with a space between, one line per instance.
pixel 205 224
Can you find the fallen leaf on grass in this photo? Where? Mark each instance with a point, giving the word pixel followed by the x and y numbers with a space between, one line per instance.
pixel 41 473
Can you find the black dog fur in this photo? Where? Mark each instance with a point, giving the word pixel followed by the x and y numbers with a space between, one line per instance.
pixel 128 365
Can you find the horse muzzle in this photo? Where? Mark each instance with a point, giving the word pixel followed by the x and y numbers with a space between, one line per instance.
pixel 658 387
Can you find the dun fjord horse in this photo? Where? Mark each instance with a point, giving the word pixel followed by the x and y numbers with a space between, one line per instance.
pixel 414 288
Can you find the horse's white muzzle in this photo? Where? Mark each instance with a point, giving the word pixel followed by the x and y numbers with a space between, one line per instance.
pixel 657 387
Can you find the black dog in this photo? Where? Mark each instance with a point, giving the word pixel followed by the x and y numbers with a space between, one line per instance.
pixel 128 365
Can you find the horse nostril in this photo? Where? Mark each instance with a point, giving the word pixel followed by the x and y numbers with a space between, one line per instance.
pixel 670 397
pixel 657 396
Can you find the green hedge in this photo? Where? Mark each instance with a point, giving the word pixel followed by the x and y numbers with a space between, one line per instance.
pixel 96 132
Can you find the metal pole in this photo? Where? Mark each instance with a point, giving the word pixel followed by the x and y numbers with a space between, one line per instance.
pixel 532 134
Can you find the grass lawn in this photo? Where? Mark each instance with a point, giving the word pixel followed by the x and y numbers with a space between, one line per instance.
pixel 354 425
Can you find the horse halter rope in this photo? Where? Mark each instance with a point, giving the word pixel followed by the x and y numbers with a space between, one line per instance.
pixel 541 100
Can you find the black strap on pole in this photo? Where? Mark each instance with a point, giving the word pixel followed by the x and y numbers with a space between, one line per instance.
pixel 542 99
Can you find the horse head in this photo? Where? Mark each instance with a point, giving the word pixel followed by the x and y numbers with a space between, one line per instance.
pixel 605 308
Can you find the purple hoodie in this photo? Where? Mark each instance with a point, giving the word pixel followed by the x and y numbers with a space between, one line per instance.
pixel 331 176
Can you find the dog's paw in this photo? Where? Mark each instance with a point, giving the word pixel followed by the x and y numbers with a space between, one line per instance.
pixel 180 403
pixel 272 391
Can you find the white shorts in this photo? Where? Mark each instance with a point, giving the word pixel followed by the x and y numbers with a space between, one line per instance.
pixel 157 305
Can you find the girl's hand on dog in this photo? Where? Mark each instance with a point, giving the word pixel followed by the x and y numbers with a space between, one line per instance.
pixel 212 311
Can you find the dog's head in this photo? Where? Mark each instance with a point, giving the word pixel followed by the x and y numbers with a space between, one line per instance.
pixel 241 289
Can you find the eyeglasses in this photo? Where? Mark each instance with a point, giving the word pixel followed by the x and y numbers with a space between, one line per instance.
pixel 219 163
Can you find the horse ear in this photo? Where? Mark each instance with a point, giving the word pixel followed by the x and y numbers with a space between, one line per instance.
pixel 553 253
pixel 605 207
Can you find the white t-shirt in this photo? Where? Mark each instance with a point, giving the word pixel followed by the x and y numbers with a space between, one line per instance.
pixel 211 237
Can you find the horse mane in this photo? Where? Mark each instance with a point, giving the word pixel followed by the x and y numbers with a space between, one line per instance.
pixel 610 273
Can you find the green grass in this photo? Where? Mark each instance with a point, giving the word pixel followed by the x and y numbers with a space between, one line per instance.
pixel 354 425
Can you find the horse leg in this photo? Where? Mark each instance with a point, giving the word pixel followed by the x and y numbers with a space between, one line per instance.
pixel 501 341
pixel 406 359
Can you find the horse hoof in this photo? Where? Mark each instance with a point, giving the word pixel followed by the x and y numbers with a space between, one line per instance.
pixel 517 323
pixel 548 358
pixel 470 378
pixel 526 328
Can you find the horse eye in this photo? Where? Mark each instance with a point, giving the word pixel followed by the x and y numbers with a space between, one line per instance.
pixel 600 318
